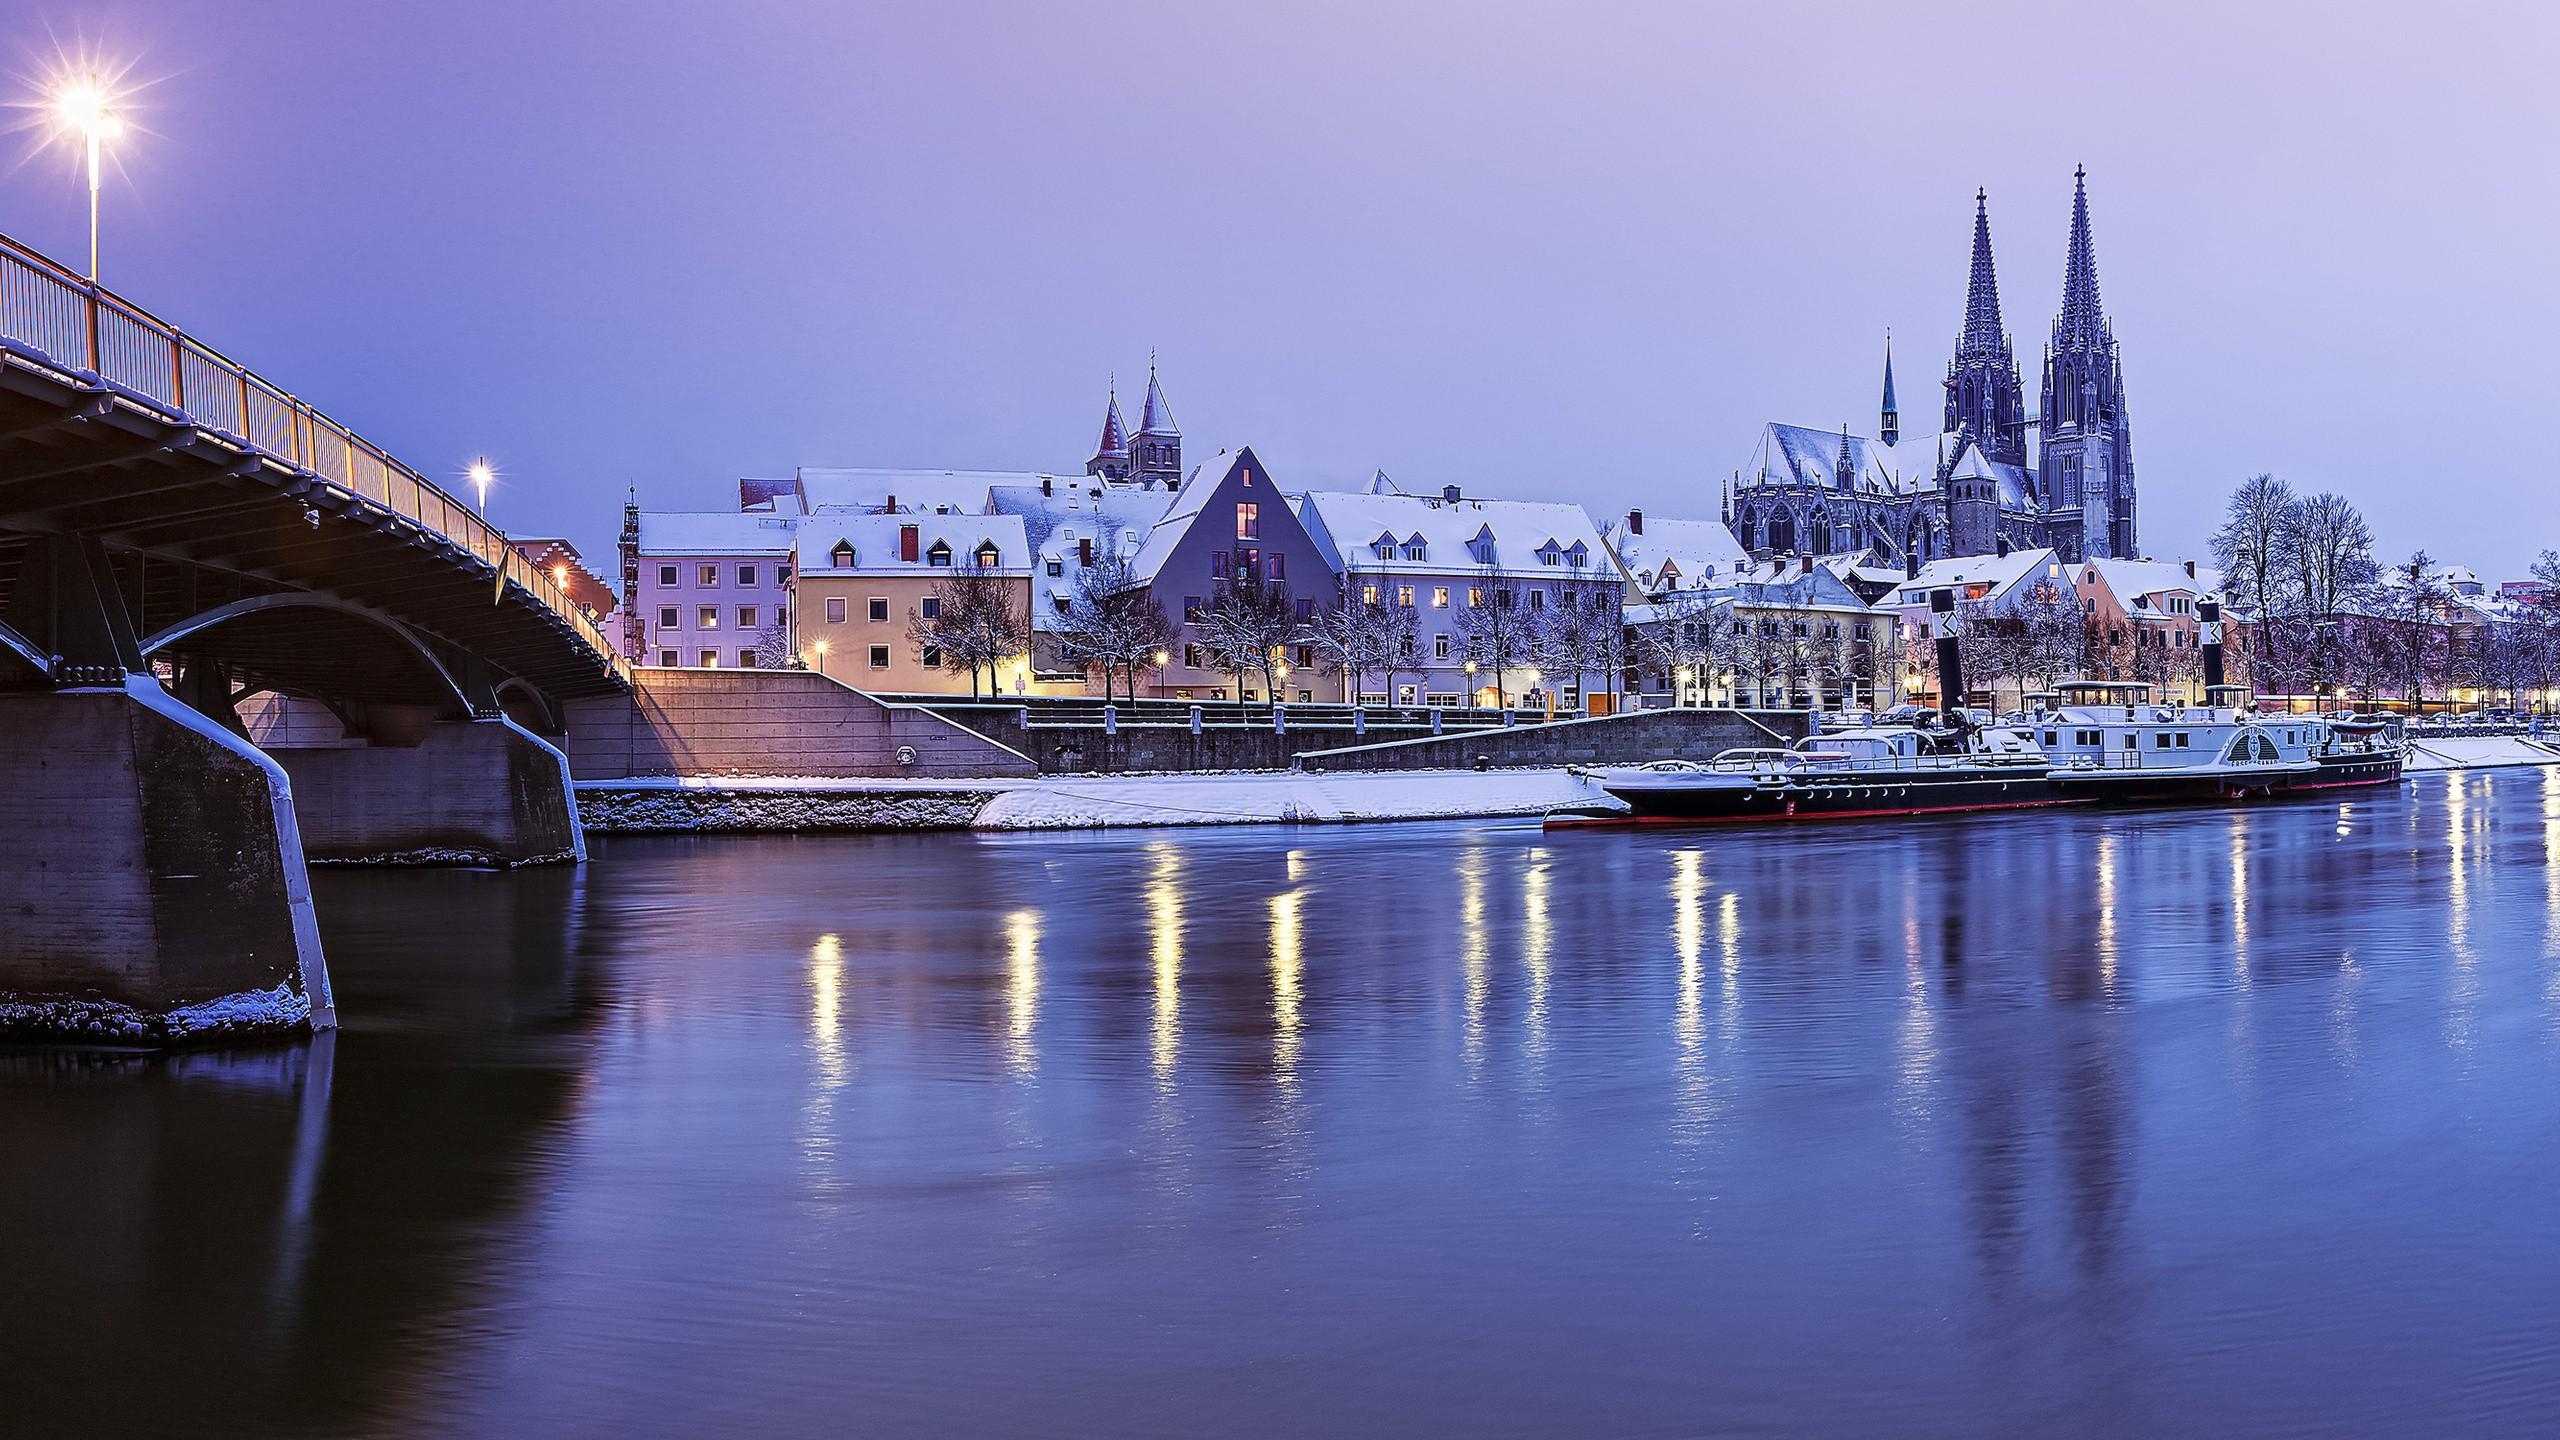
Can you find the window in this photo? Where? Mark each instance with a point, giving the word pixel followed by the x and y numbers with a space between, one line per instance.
pixel 1414 549
pixel 709 577
pixel 746 577
pixel 708 659
pixel 1404 596
pixel 1306 657
pixel 781 574
pixel 667 617
pixel 1306 611
pixel 1439 647
pixel 708 618
pixel 879 657
pixel 746 617
pixel 1061 602
pixel 1279 569
pixel 878 609
pixel 1190 606
pixel 1249 564
pixel 1191 656
pixel 1537 599
pixel 989 557
pixel 1505 598
pixel 1368 594
pixel 932 657
pixel 1221 564
pixel 670 659
pixel 667 575
pixel 1248 522
pixel 835 609
pixel 939 556
pixel 930 607
pixel 1057 566
pixel 1475 597
pixel 746 659
pixel 1439 597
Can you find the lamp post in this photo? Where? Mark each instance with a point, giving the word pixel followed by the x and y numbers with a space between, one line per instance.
pixel 482 474
pixel 822 659
pixel 85 109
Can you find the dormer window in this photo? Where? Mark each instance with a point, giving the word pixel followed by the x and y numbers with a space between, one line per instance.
pixel 1550 554
pixel 842 556
pixel 988 556
pixel 1579 556
pixel 939 555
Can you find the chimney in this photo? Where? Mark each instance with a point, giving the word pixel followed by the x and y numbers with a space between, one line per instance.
pixel 1045 490
pixel 1942 622
pixel 2209 626
pixel 1084 550
pixel 2191 569
pixel 890 508
pixel 1808 566
pixel 1449 494
pixel 2003 543
pixel 1635 522
pixel 907 543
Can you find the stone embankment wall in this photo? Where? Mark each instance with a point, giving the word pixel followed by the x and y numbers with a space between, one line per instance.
pixel 768 723
pixel 1627 739
pixel 609 809
pixel 1158 744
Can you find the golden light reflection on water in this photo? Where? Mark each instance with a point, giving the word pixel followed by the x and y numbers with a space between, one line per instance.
pixel 1164 925
pixel 826 1009
pixel 1288 963
pixel 1474 947
pixel 1689 942
pixel 1537 938
pixel 1022 991
pixel 1729 938
pixel 2462 1014
pixel 2107 915
pixel 2238 856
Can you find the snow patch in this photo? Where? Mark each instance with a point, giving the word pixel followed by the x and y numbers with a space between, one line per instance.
pixel 2474 752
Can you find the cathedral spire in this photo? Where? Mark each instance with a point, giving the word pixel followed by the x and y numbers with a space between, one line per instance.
pixel 2083 319
pixel 1157 417
pixel 1890 431
pixel 1111 453
pixel 1982 330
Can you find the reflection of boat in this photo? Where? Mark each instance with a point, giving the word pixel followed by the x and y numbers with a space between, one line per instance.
pixel 1884 770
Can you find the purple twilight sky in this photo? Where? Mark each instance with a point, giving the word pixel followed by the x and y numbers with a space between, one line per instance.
pixel 1577 252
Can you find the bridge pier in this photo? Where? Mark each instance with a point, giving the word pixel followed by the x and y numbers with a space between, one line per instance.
pixel 422 790
pixel 152 887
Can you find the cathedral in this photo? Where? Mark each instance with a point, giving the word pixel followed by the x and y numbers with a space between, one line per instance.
pixel 1993 477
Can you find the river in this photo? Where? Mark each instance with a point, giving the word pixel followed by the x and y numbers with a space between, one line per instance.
pixel 2242 1122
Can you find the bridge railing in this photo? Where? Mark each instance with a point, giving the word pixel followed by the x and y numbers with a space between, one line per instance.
pixel 65 321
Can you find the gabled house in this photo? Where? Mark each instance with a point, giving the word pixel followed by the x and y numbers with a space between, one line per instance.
pixel 862 578
pixel 1229 523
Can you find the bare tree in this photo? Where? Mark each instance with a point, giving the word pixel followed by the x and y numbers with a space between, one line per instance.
pixel 975 627
pixel 2251 549
pixel 1243 627
pixel 1113 624
pixel 773 648
pixel 1497 628
pixel 1682 638
pixel 1572 637
pixel 1356 636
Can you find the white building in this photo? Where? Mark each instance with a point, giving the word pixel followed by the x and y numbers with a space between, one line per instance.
pixel 707 588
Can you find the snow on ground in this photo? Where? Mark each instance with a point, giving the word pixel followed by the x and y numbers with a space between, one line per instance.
pixel 1063 802
pixel 2470 752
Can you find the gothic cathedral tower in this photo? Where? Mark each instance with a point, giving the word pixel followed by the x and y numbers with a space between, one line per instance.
pixel 1984 397
pixel 2086 464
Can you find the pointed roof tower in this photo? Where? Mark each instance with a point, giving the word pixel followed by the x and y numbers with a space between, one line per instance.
pixel 1890 432
pixel 1114 444
pixel 1982 331
pixel 1157 417
pixel 2083 320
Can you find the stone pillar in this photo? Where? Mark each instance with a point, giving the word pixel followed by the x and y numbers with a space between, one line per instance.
pixel 459 792
pixel 151 875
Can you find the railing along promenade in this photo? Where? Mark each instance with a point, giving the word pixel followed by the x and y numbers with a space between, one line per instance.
pixel 59 319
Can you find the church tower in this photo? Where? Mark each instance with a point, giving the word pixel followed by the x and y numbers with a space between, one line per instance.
pixel 1983 393
pixel 1156 454
pixel 1111 454
pixel 2086 462
pixel 1889 428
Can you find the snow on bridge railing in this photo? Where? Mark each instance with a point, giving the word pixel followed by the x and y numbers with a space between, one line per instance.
pixel 69 323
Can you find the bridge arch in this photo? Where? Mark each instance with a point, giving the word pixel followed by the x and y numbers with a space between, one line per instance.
pixel 309 646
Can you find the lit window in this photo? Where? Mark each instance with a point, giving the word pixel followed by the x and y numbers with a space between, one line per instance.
pixel 746 659
pixel 708 577
pixel 1439 597
pixel 708 659
pixel 746 617
pixel 1475 597
pixel 708 618
pixel 1248 522
pixel 1404 596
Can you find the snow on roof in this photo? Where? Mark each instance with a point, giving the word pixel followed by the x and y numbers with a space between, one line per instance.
pixel 1965 572
pixel 957 491
pixel 1184 508
pixel 1113 517
pixel 715 532
pixel 1800 455
pixel 1350 522
pixel 876 546
pixel 2129 580
pixel 1696 550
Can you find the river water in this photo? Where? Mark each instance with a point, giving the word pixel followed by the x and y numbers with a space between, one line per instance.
pixel 2240 1122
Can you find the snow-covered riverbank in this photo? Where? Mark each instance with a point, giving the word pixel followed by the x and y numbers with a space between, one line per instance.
pixel 1053 802
pixel 2474 752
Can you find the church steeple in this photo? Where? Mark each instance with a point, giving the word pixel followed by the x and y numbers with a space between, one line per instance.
pixel 1111 453
pixel 1983 391
pixel 1156 454
pixel 2086 463
pixel 2083 319
pixel 1890 430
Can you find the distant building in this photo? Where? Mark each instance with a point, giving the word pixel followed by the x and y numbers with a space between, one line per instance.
pixel 1073 527
pixel 707 588
pixel 560 560
pixel 862 580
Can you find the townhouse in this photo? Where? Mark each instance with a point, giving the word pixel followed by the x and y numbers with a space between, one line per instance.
pixel 864 583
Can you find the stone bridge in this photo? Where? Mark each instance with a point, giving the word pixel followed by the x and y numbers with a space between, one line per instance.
pixel 233 635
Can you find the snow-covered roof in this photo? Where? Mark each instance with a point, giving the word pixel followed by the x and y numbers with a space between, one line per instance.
pixel 1993 575
pixel 2130 580
pixel 1183 508
pixel 1697 551
pixel 1113 517
pixel 915 491
pixel 715 532
pixel 877 548
pixel 1454 537
pixel 1800 455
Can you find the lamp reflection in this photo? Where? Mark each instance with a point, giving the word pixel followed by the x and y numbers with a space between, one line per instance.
pixel 1164 923
pixel 1473 944
pixel 1288 962
pixel 2106 859
pixel 826 1009
pixel 1022 991
pixel 1689 942
pixel 1537 936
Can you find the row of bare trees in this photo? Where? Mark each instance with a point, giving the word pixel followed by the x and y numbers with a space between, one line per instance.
pixel 1505 627
pixel 1758 653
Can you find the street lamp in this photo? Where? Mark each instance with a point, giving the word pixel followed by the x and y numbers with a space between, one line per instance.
pixel 1470 668
pixel 822 659
pixel 482 474
pixel 84 108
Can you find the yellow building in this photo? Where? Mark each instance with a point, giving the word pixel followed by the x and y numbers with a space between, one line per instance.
pixel 861 581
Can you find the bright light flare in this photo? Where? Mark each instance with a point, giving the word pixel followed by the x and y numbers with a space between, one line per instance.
pixel 87 108
pixel 482 475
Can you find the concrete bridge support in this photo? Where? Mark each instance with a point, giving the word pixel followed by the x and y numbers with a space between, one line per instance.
pixel 423 790
pixel 152 887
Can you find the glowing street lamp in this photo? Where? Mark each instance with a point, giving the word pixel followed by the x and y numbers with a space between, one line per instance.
pixel 822 658
pixel 482 474
pixel 85 110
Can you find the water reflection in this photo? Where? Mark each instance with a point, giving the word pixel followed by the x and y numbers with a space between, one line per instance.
pixel 1914 1179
